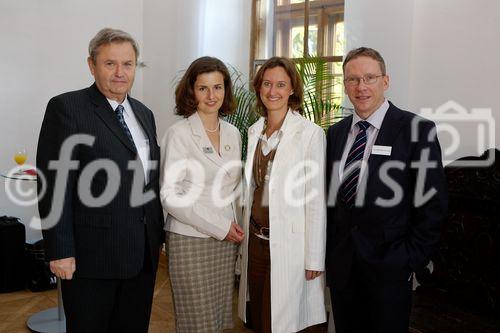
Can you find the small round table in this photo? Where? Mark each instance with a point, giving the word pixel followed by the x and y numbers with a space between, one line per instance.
pixel 19 176
pixel 51 320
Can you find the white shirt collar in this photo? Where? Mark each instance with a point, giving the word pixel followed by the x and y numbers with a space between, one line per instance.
pixel 279 133
pixel 375 119
pixel 114 104
pixel 273 141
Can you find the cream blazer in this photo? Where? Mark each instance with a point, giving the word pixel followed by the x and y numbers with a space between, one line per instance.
pixel 297 225
pixel 199 187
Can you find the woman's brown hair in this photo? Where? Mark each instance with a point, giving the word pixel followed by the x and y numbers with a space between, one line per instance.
pixel 185 100
pixel 296 99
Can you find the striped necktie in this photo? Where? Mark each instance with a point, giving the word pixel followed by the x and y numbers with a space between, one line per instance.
pixel 119 114
pixel 352 166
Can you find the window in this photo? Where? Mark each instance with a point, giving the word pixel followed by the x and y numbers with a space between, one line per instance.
pixel 301 29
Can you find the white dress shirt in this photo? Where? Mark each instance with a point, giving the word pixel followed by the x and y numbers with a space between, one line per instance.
pixel 268 144
pixel 375 121
pixel 140 138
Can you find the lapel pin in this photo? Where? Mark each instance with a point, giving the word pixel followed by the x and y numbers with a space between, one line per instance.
pixel 227 147
pixel 208 150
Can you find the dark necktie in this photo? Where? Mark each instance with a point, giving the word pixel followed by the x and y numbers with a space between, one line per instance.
pixel 353 162
pixel 119 114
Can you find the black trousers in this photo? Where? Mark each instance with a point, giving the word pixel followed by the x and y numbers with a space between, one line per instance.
pixel 367 307
pixel 98 305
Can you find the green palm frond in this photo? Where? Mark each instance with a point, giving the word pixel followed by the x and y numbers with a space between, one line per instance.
pixel 319 105
pixel 244 116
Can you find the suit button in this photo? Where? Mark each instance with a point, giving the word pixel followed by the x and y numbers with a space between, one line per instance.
pixel 354 228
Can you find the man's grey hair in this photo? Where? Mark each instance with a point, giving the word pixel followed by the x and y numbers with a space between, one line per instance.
pixel 107 36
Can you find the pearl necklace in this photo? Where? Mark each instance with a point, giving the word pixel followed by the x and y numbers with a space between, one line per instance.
pixel 212 130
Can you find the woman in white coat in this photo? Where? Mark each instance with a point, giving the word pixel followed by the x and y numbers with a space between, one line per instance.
pixel 284 219
pixel 201 173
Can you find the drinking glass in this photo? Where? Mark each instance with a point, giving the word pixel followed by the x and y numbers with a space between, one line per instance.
pixel 20 156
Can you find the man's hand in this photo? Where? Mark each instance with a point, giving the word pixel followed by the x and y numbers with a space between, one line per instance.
pixel 311 275
pixel 63 268
pixel 235 233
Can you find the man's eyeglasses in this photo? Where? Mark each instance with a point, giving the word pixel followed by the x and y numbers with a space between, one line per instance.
pixel 367 79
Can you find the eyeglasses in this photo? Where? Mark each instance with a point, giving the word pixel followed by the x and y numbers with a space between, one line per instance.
pixel 367 79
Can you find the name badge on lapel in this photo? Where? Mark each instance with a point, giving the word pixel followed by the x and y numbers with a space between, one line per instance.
pixel 382 150
pixel 208 150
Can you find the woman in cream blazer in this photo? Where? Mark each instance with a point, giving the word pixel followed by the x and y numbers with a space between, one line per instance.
pixel 200 178
pixel 195 176
pixel 297 211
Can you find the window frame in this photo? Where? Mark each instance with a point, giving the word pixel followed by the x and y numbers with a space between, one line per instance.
pixel 322 8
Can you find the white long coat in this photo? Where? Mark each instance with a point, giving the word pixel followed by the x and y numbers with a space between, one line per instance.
pixel 297 225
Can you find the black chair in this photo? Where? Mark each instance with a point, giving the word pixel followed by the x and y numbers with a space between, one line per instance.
pixel 462 294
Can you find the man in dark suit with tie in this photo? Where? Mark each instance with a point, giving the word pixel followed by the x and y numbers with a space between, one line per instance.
pixel 387 199
pixel 98 194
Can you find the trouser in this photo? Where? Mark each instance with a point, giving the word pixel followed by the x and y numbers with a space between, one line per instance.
pixel 363 306
pixel 259 284
pixel 110 305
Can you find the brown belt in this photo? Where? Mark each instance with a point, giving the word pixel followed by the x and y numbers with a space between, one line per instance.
pixel 260 231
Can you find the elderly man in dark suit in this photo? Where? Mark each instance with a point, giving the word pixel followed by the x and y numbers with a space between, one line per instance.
pixel 387 199
pixel 98 194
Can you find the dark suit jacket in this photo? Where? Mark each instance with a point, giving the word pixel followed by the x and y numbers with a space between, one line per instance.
pixel 107 241
pixel 387 243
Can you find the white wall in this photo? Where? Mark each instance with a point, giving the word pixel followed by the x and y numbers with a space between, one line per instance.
pixel 44 51
pixel 387 26
pixel 176 33
pixel 436 51
pixel 457 57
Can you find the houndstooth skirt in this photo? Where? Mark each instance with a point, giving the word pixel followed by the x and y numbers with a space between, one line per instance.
pixel 202 278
